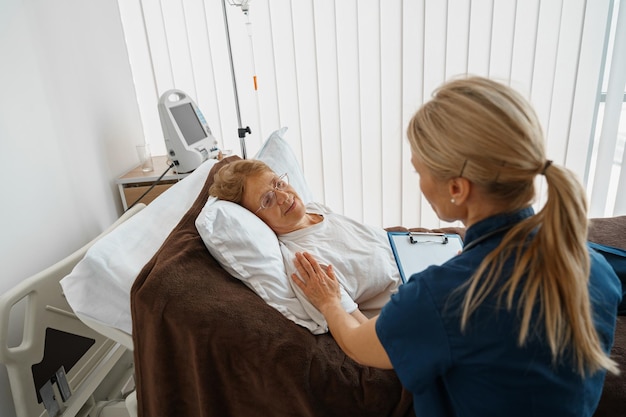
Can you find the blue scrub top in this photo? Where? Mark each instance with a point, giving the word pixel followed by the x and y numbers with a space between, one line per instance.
pixel 482 371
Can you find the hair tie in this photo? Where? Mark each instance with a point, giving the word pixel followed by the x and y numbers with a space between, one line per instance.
pixel 545 166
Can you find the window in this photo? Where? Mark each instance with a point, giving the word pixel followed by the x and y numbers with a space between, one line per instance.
pixel 605 177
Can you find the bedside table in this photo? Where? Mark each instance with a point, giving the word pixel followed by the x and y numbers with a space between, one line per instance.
pixel 136 182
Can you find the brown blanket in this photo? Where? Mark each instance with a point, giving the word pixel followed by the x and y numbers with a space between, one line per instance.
pixel 206 345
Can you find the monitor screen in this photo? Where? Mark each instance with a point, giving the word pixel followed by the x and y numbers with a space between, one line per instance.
pixel 188 123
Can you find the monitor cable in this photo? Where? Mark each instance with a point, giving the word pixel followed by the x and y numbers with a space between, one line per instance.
pixel 152 186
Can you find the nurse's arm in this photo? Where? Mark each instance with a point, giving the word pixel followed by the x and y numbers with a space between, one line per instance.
pixel 358 340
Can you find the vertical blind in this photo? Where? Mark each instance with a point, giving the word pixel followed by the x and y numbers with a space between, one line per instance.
pixel 607 179
pixel 345 76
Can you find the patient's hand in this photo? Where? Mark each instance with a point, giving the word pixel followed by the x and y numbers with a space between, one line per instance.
pixel 318 284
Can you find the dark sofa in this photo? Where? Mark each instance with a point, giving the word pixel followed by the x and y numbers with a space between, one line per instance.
pixel 612 232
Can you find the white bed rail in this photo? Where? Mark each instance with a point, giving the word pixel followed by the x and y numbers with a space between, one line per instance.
pixel 40 299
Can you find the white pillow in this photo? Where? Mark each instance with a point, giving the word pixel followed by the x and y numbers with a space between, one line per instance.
pixel 99 286
pixel 277 153
pixel 243 244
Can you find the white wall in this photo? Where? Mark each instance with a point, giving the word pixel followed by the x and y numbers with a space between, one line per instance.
pixel 68 127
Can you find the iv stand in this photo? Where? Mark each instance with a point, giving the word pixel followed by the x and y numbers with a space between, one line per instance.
pixel 241 131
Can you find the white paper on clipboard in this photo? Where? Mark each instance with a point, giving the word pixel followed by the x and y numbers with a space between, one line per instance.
pixel 427 250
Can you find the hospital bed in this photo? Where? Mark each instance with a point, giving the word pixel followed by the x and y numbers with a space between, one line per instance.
pixel 205 344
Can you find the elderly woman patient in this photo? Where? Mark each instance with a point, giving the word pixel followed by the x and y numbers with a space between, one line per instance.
pixel 361 255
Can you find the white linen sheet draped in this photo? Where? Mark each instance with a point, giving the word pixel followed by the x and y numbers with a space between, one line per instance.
pixel 345 76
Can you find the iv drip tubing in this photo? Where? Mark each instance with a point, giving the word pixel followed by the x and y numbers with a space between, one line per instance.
pixel 249 29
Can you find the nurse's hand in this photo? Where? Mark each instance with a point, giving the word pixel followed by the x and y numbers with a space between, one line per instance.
pixel 318 283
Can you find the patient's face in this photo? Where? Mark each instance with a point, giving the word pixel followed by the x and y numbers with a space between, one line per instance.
pixel 288 212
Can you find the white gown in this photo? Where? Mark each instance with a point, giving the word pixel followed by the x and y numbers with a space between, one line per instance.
pixel 360 255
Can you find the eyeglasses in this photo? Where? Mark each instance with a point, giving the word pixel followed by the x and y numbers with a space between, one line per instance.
pixel 269 198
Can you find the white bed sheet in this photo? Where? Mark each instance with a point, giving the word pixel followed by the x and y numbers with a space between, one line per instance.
pixel 99 286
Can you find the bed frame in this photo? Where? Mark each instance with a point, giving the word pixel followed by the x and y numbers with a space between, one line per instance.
pixel 60 362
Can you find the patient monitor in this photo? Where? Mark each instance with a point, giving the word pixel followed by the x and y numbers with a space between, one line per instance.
pixel 188 138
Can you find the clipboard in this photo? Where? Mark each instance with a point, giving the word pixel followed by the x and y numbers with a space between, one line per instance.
pixel 416 251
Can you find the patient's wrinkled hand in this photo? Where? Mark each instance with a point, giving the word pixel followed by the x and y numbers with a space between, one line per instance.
pixel 319 284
